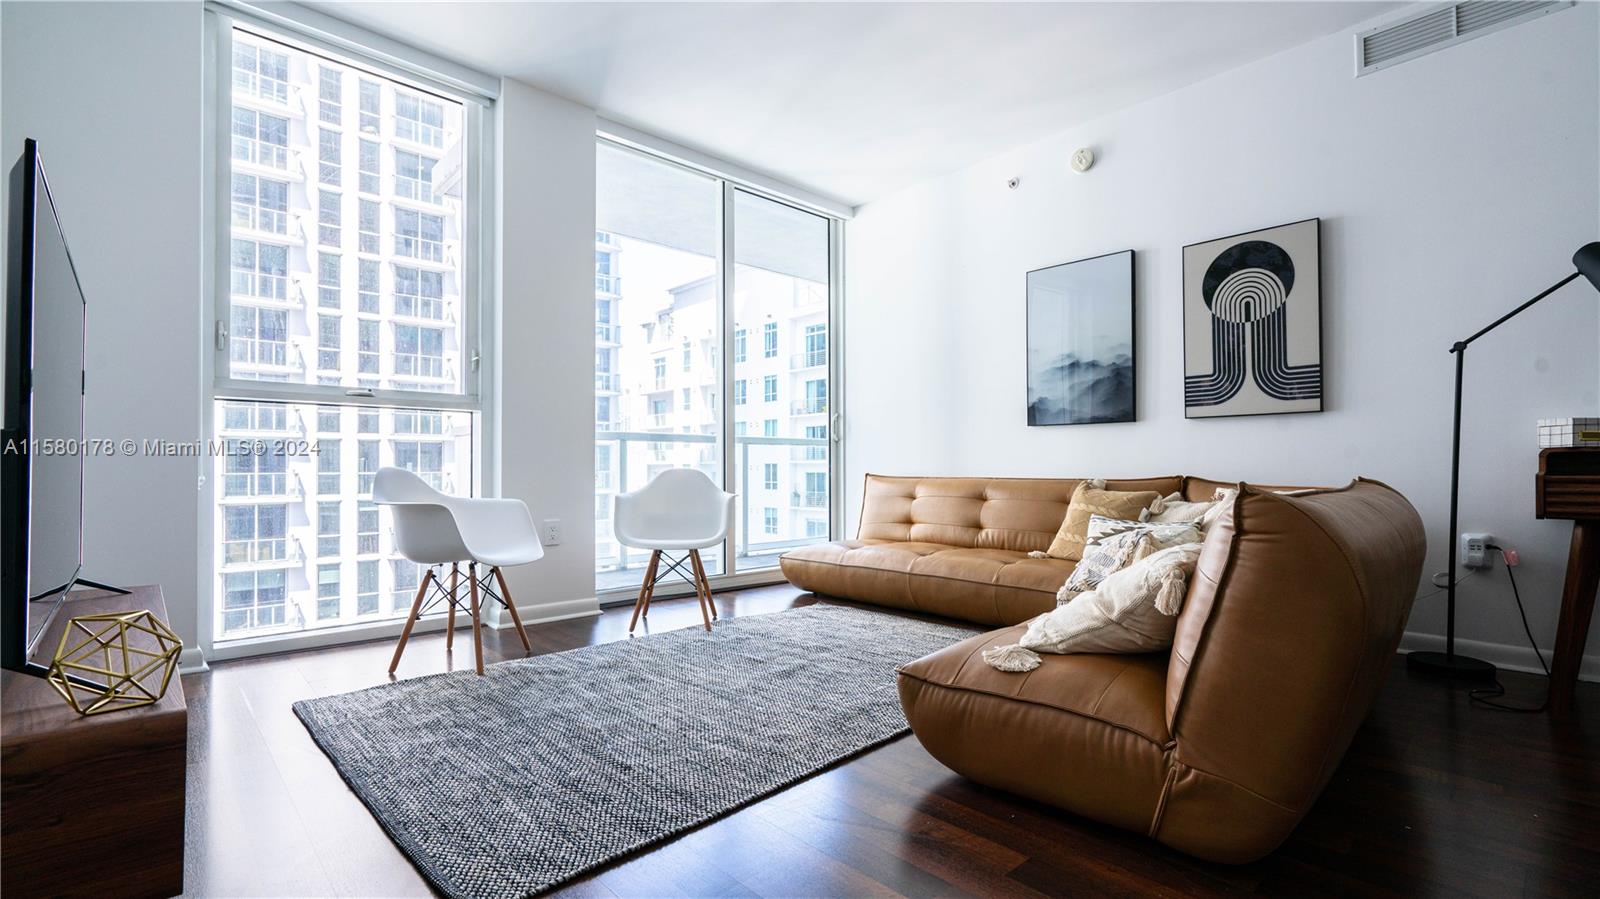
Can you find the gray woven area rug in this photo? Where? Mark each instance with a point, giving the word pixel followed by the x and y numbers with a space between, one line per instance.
pixel 509 784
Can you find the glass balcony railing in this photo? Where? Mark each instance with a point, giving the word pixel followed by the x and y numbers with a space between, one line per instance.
pixel 258 552
pixel 808 359
pixel 769 522
pixel 810 405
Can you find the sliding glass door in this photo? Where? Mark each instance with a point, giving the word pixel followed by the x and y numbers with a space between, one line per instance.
pixel 780 377
pixel 692 271
pixel 657 331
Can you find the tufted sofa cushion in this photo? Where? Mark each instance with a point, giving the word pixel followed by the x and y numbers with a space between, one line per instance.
pixel 1018 514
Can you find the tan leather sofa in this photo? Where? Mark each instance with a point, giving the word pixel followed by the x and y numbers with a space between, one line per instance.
pixel 1217 748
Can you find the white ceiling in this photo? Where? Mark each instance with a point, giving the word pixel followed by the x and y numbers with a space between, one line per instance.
pixel 855 100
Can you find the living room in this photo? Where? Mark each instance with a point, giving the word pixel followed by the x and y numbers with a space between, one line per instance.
pixel 501 449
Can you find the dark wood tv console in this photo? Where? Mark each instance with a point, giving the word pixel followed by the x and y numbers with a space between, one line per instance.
pixel 91 806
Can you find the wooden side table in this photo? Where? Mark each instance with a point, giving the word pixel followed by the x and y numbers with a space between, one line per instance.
pixel 92 806
pixel 1568 487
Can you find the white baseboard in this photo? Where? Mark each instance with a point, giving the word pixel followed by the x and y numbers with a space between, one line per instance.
pixel 1514 658
pixel 192 661
pixel 544 612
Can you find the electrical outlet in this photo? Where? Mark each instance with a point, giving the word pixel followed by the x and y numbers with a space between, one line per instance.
pixel 1475 550
pixel 551 531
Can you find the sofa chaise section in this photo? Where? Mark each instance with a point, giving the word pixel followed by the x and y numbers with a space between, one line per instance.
pixel 1217 748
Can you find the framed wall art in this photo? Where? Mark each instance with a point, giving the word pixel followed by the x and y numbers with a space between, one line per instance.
pixel 1080 338
pixel 1252 323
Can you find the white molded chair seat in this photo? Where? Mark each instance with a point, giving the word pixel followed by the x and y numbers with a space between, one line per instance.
pixel 679 510
pixel 432 528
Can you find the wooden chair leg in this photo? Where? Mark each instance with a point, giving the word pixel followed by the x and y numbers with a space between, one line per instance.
pixel 477 622
pixel 644 588
pixel 511 606
pixel 704 581
pixel 411 620
pixel 700 593
pixel 650 591
pixel 450 624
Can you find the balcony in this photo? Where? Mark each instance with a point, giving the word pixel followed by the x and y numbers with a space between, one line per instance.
pixel 251 151
pixel 608 383
pixel 264 354
pixel 257 289
pixel 412 247
pixel 809 499
pixel 264 90
pixel 608 284
pixel 808 359
pixel 262 221
pixel 417 191
pixel 810 406
pixel 276 552
pixel 273 486
pixel 607 334
pixel 635 455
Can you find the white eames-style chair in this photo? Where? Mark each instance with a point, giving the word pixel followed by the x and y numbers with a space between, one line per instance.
pixel 433 529
pixel 680 510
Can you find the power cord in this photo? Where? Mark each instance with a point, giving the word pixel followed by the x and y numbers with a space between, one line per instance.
pixel 1485 697
pixel 1445 586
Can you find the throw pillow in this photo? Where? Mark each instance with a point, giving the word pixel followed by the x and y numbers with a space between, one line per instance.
pixel 1174 508
pixel 1133 610
pixel 1090 499
pixel 1115 544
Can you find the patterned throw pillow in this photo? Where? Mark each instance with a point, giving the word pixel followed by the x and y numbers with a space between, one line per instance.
pixel 1114 544
pixel 1090 499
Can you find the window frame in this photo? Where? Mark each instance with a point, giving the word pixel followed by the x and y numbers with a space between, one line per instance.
pixel 373 57
pixel 729 341
pixel 476 226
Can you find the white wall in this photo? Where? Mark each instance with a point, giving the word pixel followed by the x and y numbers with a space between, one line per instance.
pixel 1450 189
pixel 545 408
pixel 112 93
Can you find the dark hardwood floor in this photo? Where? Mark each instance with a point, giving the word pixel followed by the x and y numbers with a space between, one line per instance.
pixel 1435 798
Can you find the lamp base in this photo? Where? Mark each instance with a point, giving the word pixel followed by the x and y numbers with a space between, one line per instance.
pixel 1455 667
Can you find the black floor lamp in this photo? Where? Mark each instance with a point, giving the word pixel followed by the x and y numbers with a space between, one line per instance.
pixel 1587 263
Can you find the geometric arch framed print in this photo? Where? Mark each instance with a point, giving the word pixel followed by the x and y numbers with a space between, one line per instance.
pixel 1252 323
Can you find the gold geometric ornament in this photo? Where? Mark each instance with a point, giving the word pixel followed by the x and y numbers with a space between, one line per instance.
pixel 123 653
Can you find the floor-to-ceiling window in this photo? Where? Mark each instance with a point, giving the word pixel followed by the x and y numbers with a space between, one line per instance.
pixel 347 331
pixel 780 301
pixel 692 270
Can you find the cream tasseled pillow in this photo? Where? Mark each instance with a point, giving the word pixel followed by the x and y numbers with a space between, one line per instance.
pixel 1115 544
pixel 1090 499
pixel 1133 610
pixel 1173 509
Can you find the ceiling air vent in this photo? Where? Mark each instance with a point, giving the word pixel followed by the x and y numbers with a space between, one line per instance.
pixel 1440 27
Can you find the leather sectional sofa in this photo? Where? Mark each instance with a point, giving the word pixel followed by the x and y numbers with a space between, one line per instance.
pixel 1217 748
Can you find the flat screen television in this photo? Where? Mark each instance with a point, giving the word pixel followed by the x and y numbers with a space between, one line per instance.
pixel 41 457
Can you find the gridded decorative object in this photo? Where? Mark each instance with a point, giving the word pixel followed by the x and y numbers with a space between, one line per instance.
pixel 114 661
pixel 1557 432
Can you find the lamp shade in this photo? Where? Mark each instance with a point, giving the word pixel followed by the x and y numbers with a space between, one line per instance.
pixel 1587 261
